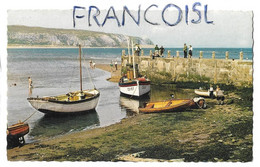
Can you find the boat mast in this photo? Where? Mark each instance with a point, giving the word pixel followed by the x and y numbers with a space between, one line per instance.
pixel 133 58
pixel 80 70
pixel 129 57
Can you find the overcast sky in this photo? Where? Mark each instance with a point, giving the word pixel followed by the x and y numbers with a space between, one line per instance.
pixel 229 28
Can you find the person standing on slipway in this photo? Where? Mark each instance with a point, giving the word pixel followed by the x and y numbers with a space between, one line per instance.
pixel 116 65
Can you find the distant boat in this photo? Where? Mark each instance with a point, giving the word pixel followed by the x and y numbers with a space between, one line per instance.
pixel 204 93
pixel 16 132
pixel 72 102
pixel 173 105
pixel 132 85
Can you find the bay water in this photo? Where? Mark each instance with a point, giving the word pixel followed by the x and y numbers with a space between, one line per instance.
pixel 55 71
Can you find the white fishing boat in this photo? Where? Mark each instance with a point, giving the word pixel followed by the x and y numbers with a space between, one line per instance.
pixel 72 102
pixel 132 85
pixel 136 87
pixel 204 93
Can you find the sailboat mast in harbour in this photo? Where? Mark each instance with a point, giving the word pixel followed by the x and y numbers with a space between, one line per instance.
pixel 71 102
pixel 80 69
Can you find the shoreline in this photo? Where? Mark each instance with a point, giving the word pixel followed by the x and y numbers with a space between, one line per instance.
pixel 115 74
pixel 54 47
pixel 165 136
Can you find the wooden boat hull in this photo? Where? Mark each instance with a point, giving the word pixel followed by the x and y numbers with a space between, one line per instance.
pixel 18 130
pixel 172 105
pixel 49 105
pixel 135 88
pixel 204 93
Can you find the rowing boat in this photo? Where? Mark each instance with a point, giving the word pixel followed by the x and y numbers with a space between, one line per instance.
pixel 173 105
pixel 15 134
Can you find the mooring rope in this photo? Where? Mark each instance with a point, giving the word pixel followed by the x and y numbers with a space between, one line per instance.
pixel 30 116
pixel 84 61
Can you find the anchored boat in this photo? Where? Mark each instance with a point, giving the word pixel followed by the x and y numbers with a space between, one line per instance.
pixel 132 85
pixel 173 105
pixel 136 87
pixel 72 102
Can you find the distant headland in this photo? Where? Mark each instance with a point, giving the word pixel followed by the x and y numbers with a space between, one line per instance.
pixel 33 37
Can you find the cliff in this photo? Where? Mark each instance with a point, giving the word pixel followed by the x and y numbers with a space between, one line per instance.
pixel 37 36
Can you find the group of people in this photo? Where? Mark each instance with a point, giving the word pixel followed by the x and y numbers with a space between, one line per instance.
pixel 185 50
pixel 111 65
pixel 158 51
pixel 219 94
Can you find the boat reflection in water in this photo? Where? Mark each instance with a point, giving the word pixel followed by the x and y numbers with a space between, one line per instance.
pixel 132 104
pixel 49 126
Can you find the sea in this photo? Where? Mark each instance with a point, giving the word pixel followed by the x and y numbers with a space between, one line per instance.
pixel 55 71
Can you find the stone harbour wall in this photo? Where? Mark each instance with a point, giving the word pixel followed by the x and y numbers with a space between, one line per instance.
pixel 236 72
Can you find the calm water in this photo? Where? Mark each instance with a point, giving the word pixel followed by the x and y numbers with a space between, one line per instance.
pixel 56 71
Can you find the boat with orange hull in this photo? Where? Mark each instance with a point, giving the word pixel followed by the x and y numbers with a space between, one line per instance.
pixel 15 134
pixel 173 105
pixel 19 129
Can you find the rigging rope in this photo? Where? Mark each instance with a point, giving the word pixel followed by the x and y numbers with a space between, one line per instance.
pixel 30 116
pixel 84 62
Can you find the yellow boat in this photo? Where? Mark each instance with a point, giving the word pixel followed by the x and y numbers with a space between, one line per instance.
pixel 173 105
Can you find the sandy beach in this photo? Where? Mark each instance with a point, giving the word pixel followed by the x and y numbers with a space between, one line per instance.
pixel 115 74
pixel 218 133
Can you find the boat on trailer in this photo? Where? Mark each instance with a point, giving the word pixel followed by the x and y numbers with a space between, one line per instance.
pixel 173 105
pixel 72 102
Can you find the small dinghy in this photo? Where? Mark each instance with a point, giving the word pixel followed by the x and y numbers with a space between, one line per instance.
pixel 204 93
pixel 15 134
pixel 173 105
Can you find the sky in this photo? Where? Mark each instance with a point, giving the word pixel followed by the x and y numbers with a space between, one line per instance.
pixel 229 28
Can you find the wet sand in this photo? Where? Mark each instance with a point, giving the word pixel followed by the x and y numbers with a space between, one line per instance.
pixel 218 133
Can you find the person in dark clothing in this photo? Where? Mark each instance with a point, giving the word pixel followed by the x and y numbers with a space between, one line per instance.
pixel 156 51
pixel 211 89
pixel 185 49
pixel 161 50
pixel 190 51
pixel 137 50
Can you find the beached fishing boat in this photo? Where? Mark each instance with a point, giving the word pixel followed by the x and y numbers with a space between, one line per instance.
pixel 20 129
pixel 136 87
pixel 204 93
pixel 173 105
pixel 132 85
pixel 72 102
pixel 15 134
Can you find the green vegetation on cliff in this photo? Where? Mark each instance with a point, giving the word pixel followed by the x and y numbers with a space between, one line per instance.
pixel 38 36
